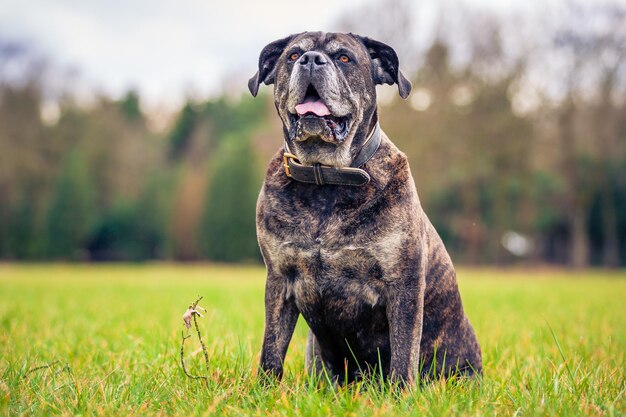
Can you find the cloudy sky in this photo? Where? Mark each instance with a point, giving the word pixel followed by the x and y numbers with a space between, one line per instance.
pixel 166 48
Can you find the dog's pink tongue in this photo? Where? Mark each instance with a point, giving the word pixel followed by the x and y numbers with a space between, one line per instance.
pixel 313 105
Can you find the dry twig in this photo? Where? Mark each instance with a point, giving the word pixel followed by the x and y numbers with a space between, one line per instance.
pixel 191 315
pixel 50 365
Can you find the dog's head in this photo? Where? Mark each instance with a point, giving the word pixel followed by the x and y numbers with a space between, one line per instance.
pixel 325 90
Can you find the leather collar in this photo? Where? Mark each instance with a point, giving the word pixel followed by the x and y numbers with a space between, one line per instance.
pixel 327 175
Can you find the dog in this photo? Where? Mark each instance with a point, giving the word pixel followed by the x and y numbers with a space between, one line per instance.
pixel 341 230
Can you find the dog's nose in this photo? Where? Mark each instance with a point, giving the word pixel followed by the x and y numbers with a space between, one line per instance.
pixel 313 59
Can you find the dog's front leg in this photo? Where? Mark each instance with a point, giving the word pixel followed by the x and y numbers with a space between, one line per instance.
pixel 281 315
pixel 405 311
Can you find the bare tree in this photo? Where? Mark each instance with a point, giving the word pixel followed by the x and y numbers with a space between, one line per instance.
pixel 592 38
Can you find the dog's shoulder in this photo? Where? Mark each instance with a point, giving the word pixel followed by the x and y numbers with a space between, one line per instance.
pixel 389 167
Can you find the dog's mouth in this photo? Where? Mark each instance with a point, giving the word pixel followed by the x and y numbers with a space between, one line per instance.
pixel 313 118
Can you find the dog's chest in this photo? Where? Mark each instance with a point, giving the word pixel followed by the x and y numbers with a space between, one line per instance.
pixel 331 263
pixel 327 256
pixel 330 280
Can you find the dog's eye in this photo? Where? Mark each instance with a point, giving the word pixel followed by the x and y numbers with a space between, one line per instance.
pixel 294 56
pixel 344 58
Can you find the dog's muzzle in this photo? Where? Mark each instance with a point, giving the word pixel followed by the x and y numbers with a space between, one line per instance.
pixel 314 107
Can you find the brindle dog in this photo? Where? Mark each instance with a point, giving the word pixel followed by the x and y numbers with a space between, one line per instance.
pixel 362 264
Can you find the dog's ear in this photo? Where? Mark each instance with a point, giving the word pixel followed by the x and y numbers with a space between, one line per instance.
pixel 385 65
pixel 267 64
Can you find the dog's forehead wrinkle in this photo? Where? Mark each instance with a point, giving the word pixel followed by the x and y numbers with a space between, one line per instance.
pixel 321 40
pixel 328 42
pixel 305 43
pixel 332 47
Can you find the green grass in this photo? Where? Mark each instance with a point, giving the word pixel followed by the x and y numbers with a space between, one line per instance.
pixel 554 343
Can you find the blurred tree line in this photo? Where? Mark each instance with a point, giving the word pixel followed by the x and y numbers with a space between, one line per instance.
pixel 519 153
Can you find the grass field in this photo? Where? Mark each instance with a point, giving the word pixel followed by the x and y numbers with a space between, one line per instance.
pixel 112 336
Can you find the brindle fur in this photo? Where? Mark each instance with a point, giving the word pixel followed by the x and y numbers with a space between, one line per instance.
pixel 363 265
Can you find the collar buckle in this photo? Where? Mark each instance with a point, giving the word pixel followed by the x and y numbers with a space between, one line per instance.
pixel 286 157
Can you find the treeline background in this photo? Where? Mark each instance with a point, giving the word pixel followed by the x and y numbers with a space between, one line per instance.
pixel 515 131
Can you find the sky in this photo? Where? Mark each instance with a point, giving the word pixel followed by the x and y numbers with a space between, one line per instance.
pixel 166 49
pixel 160 47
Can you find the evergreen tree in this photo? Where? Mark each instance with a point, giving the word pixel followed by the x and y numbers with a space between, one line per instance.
pixel 134 230
pixel 130 106
pixel 24 240
pixel 227 232
pixel 182 131
pixel 71 212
